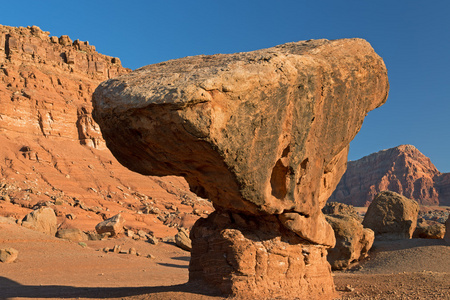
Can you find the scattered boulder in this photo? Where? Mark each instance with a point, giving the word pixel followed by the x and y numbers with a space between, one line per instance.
pixel 353 241
pixel 72 234
pixel 336 208
pixel 182 239
pixel 42 220
pixel 391 216
pixel 262 134
pixel 113 225
pixel 447 231
pixel 8 255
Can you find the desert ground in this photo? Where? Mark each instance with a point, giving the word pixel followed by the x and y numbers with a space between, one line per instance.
pixel 51 268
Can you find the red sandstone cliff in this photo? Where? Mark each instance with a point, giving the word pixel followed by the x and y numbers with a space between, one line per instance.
pixel 52 152
pixel 402 169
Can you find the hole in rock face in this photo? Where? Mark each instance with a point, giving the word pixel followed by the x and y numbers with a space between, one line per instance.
pixel 278 180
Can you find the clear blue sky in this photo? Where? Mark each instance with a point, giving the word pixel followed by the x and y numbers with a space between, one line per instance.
pixel 413 37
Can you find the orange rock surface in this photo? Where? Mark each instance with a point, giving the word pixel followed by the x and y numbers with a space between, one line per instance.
pixel 53 153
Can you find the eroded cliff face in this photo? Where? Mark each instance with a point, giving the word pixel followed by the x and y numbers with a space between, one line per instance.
pixel 263 134
pixel 403 169
pixel 53 153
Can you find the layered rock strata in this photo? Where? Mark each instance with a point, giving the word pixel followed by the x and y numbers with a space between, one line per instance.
pixel 262 134
pixel 52 152
pixel 403 169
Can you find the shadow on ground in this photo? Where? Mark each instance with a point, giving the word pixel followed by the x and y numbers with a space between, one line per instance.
pixel 11 289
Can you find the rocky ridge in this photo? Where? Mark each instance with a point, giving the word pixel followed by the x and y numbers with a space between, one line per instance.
pixel 53 154
pixel 403 169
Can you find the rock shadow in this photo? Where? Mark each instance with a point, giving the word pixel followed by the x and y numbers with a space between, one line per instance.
pixel 11 289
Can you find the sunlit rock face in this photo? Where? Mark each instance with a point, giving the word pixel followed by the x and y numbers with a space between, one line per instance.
pixel 262 134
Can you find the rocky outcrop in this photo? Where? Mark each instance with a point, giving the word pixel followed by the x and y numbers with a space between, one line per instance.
pixel 53 153
pixel 262 134
pixel 391 216
pixel 403 169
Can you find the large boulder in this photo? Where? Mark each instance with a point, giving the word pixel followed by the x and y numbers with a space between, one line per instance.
pixel 353 241
pixel 392 216
pixel 262 133
pixel 429 230
pixel 42 219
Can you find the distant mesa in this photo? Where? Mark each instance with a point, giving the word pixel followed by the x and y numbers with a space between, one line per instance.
pixel 403 169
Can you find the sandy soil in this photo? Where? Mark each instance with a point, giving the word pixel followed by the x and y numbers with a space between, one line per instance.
pixel 50 268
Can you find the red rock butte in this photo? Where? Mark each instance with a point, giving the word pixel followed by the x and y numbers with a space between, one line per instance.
pixel 264 135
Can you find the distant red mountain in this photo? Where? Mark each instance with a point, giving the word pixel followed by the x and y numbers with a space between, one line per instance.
pixel 403 169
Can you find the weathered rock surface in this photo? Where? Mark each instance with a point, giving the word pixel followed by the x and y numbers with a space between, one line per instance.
pixel 447 231
pixel 113 225
pixel 403 169
pixel 429 230
pixel 391 216
pixel 256 254
pixel 353 241
pixel 258 133
pixel 72 234
pixel 42 220
pixel 52 151
pixel 183 240
pixel 8 255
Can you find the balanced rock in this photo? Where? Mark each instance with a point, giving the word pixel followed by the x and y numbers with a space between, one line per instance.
pixel 113 225
pixel 353 241
pixel 72 234
pixel 262 134
pixel 8 255
pixel 391 216
pixel 42 219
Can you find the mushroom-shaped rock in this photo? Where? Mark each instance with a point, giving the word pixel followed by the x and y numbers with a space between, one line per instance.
pixel 262 133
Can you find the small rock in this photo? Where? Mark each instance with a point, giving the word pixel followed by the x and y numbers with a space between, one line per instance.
pixel 72 234
pixel 116 248
pixel 106 249
pixel 71 216
pixel 132 251
pixel 42 219
pixel 130 233
pixel 152 240
pixel 114 225
pixel 182 239
pixel 8 255
pixel 82 244
pixel 151 256
pixel 349 288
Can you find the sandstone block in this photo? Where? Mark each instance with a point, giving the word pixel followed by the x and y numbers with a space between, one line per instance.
pixel 353 241
pixel 8 255
pixel 72 234
pixel 255 257
pixel 182 239
pixel 113 225
pixel 392 216
pixel 42 219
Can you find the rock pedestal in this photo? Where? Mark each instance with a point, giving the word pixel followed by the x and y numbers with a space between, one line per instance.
pixel 257 255
pixel 264 135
